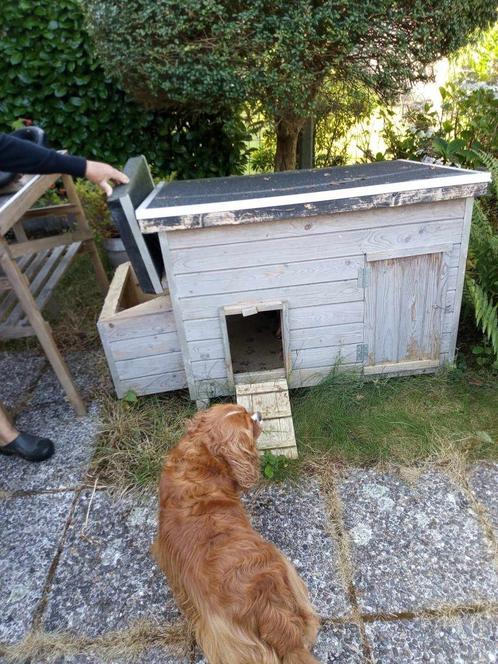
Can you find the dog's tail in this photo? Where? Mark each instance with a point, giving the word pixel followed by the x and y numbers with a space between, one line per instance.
pixel 299 656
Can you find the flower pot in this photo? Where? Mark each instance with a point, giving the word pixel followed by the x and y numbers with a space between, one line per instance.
pixel 115 250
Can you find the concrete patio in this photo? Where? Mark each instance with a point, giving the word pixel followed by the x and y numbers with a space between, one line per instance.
pixel 399 571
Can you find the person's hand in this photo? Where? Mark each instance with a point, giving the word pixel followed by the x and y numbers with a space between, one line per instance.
pixel 100 173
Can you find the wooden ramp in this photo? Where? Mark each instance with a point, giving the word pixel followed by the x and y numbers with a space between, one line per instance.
pixel 271 398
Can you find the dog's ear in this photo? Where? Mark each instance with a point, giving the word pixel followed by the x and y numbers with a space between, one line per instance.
pixel 229 434
pixel 239 450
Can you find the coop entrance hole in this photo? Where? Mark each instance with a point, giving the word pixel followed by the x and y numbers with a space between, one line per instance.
pixel 256 341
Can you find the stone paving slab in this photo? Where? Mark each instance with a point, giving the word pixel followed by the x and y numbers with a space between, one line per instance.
pixel 414 546
pixel 106 578
pixel 467 640
pixel 30 528
pixel 293 517
pixel 18 373
pixel 74 439
pixel 483 480
pixel 339 644
pixel 89 372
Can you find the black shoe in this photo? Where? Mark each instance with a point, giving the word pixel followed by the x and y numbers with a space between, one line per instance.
pixel 29 447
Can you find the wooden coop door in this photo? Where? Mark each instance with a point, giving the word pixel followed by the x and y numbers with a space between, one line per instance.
pixel 404 301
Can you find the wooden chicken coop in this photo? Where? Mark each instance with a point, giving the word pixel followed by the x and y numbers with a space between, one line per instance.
pixel 285 276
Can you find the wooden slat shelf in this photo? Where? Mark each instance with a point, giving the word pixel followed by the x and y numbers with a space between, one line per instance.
pixel 43 271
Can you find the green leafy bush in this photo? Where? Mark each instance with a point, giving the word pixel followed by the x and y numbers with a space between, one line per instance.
pixel 466 123
pixel 481 282
pixel 49 74
pixel 287 56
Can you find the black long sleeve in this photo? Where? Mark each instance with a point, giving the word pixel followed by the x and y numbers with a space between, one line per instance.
pixel 21 156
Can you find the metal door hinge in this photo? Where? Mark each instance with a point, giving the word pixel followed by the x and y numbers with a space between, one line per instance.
pixel 361 353
pixel 363 277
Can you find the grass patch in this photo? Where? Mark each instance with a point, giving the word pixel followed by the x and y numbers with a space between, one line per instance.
pixel 128 644
pixel 398 420
pixel 136 436
pixel 345 420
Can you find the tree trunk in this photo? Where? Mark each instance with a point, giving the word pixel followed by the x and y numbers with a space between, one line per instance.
pixel 287 135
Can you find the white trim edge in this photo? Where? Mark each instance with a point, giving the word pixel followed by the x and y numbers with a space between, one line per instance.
pixel 475 177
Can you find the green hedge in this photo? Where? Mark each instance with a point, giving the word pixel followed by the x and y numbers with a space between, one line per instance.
pixel 49 74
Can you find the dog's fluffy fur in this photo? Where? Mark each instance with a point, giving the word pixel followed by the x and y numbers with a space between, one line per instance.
pixel 245 599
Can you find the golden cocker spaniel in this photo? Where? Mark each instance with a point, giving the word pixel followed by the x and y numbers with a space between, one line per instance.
pixel 245 599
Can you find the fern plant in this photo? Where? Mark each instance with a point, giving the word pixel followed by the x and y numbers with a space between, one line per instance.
pixel 486 312
pixel 482 269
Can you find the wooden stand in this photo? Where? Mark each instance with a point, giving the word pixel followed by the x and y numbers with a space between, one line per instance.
pixel 33 268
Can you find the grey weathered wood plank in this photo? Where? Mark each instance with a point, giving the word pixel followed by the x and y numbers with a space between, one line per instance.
pixel 11 307
pixel 262 387
pixel 163 382
pixel 62 210
pixel 115 293
pixel 315 375
pixel 206 306
pixel 10 298
pixel 202 329
pixel 382 344
pixel 414 299
pixel 328 357
pixel 50 259
pixel 13 207
pixel 327 314
pixel 210 349
pixel 469 203
pixel 395 367
pixel 132 328
pixel 259 376
pixel 305 227
pixel 449 310
pixel 4 285
pixel 276 276
pixel 327 335
pixel 394 239
pixel 209 370
pixel 40 326
pixel 33 246
pixel 155 344
pixel 404 309
pixel 432 329
pixel 179 316
pixel 18 331
pixel 149 366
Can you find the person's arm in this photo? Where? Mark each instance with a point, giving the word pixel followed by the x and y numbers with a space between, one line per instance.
pixel 20 156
